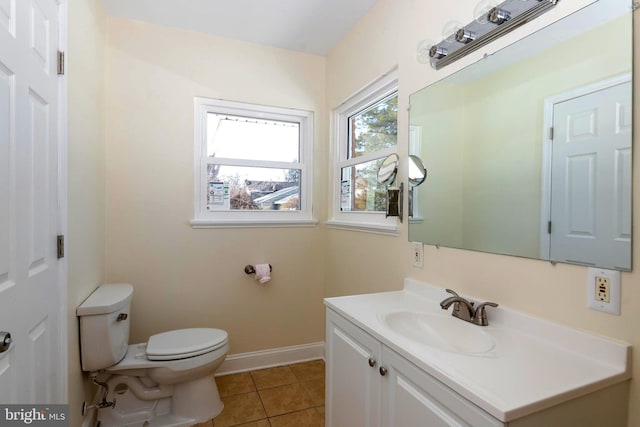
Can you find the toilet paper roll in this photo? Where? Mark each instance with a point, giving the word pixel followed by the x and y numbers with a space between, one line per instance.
pixel 263 273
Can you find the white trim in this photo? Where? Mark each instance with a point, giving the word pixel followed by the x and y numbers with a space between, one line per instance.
pixel 374 222
pixel 365 158
pixel 378 88
pixel 243 362
pixel 63 369
pixel 390 230
pixel 547 149
pixel 251 223
pixel 205 219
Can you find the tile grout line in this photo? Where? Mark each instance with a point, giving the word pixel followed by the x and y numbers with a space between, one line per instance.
pixel 264 408
pixel 298 381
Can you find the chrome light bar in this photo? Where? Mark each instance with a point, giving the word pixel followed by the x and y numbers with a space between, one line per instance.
pixel 499 20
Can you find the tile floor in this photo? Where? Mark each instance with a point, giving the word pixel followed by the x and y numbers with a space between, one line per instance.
pixel 285 396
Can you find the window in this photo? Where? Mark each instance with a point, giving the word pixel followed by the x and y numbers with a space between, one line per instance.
pixel 252 165
pixel 365 133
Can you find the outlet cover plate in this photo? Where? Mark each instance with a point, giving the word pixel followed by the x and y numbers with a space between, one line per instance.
pixel 593 302
pixel 418 254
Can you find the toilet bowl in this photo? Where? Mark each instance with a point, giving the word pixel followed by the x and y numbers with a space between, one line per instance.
pixel 167 381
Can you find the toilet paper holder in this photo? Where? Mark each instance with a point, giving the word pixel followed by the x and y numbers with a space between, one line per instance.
pixel 250 269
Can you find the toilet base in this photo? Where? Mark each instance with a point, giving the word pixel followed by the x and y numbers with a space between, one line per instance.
pixel 198 399
pixel 192 402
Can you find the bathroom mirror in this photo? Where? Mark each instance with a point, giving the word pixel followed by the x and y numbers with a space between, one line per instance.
pixel 529 149
pixel 388 169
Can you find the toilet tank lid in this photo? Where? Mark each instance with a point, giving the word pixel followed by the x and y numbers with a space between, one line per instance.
pixel 107 298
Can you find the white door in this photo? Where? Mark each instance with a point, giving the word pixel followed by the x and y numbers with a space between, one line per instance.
pixel 29 286
pixel 591 179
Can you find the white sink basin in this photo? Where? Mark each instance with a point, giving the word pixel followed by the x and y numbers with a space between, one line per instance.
pixel 442 332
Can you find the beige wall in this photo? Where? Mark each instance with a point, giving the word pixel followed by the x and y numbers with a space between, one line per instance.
pixel 186 277
pixel 552 292
pixel 86 174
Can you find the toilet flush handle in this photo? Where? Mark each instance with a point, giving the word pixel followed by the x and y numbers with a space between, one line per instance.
pixel 122 316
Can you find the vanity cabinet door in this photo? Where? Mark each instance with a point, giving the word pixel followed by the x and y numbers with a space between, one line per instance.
pixel 353 382
pixel 413 398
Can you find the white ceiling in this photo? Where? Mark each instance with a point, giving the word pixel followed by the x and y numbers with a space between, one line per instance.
pixel 313 26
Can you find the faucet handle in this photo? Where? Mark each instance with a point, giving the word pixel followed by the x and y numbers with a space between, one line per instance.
pixel 480 316
pixel 490 304
pixel 452 292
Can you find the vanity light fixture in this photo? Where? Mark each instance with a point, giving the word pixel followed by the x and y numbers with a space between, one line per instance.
pixel 465 36
pixel 438 52
pixel 492 22
pixel 498 16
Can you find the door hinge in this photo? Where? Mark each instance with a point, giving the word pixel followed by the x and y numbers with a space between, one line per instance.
pixel 551 133
pixel 549 227
pixel 60 63
pixel 61 246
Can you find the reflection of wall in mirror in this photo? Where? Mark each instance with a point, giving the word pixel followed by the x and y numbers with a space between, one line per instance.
pixel 439 116
pixel 488 197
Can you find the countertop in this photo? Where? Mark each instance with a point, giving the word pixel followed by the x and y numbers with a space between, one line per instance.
pixel 535 364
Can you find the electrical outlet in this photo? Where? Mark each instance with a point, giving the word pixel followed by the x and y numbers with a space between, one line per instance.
pixel 418 254
pixel 603 290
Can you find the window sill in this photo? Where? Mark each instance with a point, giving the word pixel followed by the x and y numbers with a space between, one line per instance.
pixel 275 223
pixel 389 230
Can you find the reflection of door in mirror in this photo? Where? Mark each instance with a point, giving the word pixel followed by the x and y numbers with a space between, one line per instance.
pixel 591 168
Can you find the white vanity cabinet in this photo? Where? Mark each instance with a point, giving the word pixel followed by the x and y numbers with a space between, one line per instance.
pixel 370 385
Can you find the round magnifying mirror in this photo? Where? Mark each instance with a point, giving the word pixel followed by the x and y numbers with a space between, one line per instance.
pixel 388 169
pixel 417 171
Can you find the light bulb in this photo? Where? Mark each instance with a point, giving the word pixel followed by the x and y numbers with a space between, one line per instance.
pixel 422 51
pixel 450 29
pixel 482 10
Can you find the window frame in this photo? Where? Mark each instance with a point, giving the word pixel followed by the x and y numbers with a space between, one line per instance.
pixel 251 218
pixel 374 222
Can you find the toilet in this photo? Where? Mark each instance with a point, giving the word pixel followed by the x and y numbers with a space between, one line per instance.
pixel 167 381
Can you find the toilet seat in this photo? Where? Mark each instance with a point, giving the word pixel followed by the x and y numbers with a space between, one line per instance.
pixel 185 343
pixel 177 350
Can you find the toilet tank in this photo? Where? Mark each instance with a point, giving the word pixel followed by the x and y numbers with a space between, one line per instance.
pixel 104 326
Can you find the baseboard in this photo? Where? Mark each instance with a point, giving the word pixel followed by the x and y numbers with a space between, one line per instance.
pixel 243 362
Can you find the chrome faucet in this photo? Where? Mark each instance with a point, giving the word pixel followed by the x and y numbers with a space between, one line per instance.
pixel 463 309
